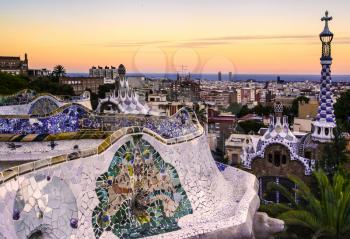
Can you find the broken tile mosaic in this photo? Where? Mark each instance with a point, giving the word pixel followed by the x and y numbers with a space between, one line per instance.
pixel 140 194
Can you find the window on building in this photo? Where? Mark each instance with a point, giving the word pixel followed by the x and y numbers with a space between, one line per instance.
pixel 267 195
pixel 270 158
pixel 277 159
pixel 235 159
pixel 289 185
pixel 284 159
pixel 308 155
pixel 274 195
pixel 36 235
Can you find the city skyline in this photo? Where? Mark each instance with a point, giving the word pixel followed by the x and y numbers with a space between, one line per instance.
pixel 272 37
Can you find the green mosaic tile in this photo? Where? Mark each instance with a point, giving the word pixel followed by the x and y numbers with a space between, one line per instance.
pixel 140 194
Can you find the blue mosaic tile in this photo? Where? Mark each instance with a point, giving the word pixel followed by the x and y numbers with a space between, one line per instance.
pixel 221 166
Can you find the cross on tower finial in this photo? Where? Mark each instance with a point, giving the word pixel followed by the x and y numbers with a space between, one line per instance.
pixel 326 18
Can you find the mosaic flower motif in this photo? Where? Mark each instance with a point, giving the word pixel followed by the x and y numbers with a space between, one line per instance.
pixel 140 194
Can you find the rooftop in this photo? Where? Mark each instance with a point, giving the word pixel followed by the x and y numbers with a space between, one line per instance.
pixel 8 58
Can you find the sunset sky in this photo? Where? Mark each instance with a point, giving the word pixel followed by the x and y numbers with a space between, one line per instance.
pixel 242 36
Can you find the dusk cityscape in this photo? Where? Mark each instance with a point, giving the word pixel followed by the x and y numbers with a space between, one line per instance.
pixel 175 119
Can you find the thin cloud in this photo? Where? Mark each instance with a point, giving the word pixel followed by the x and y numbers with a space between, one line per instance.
pixel 258 37
pixel 198 43
pixel 134 44
pixel 342 40
pixel 226 40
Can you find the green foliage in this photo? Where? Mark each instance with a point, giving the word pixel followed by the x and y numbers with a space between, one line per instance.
pixel 94 100
pixel 274 209
pixel 103 89
pixel 46 85
pixel 58 71
pixel 10 84
pixel 250 125
pixel 334 154
pixel 324 214
pixel 342 110
pixel 201 114
pixel 244 110
pixel 234 108
pixel 262 110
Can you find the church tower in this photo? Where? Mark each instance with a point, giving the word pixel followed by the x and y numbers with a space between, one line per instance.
pixel 324 123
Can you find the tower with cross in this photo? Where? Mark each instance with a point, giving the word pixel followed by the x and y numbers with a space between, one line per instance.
pixel 324 123
pixel 326 37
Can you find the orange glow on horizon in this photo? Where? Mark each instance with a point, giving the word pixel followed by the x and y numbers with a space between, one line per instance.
pixel 207 38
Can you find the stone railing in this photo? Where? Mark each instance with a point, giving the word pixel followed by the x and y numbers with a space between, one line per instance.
pixel 13 172
pixel 54 112
pixel 61 98
pixel 75 118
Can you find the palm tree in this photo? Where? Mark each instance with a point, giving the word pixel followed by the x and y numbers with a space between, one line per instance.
pixel 325 214
pixel 59 71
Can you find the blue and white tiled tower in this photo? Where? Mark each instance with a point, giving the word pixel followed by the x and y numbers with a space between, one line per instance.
pixel 325 120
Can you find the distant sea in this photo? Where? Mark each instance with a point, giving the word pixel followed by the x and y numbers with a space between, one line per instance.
pixel 241 77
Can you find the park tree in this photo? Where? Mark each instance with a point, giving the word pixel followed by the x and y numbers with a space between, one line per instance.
pixel 103 89
pixel 334 154
pixel 10 84
pixel 322 213
pixel 342 110
pixel 244 111
pixel 57 72
pixel 234 108
pixel 201 113
pixel 46 85
pixel 249 126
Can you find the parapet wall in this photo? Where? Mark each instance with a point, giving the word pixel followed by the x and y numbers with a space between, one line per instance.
pixel 136 184
pixel 28 102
